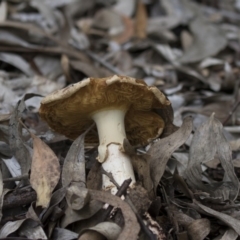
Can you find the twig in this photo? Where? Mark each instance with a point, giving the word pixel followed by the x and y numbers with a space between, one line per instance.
pixel 18 178
pixel 103 62
pixel 110 176
pixel 235 106
pixel 150 235
pixel 121 190
pixel 19 198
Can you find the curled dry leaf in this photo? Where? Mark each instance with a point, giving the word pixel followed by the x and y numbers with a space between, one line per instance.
pixel 230 234
pixel 161 150
pixel 208 141
pixel 108 230
pixel 86 212
pixel 127 33
pixel 63 234
pixel 93 235
pixel 131 227
pixel 228 220
pixel 45 171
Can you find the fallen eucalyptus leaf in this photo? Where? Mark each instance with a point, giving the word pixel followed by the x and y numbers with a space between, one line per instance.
pixel 17 62
pixel 228 220
pixel 45 171
pixel 207 141
pixel 74 164
pixel 109 230
pixel 230 234
pixel 209 39
pixel 19 149
pixel 56 198
pixel 161 150
pixel 32 229
pixel 63 234
pixel 131 227
pixel 77 197
pixel 86 212
pixel 11 227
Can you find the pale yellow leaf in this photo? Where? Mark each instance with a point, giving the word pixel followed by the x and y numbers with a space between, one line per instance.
pixel 45 171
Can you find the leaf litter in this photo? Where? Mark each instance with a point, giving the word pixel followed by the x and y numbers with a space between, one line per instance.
pixel 187 180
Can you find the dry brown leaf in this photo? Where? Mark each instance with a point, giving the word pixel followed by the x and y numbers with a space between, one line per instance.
pixel 142 168
pixel 162 150
pixel 127 33
pixel 66 67
pixel 141 20
pixel 45 171
pixel 94 177
pixel 199 229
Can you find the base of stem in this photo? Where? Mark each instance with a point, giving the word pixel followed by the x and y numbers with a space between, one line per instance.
pixel 119 165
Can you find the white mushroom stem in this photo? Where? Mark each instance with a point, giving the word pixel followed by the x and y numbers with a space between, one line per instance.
pixel 111 131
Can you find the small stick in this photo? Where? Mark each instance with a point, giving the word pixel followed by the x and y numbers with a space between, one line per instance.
pixel 231 112
pixel 102 62
pixel 18 178
pixel 150 235
pixel 19 198
pixel 122 190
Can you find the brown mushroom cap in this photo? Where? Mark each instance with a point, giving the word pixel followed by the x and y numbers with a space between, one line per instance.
pixel 69 110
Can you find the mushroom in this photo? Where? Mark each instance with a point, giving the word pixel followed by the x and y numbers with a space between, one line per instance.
pixel 124 110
